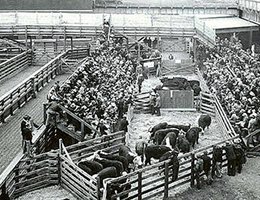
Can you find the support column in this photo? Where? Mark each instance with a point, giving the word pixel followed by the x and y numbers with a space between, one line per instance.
pixel 194 41
pixel 71 43
pixel 64 35
pixel 250 37
pixel 26 37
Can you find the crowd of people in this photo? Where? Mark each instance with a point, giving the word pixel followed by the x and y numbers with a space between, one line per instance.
pixel 233 75
pixel 103 86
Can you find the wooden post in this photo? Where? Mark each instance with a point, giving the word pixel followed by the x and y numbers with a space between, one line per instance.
pixel 98 188
pixel 33 88
pixel 64 35
pixel 166 180
pixel 26 37
pixel 140 185
pixel 44 112
pixel 139 52
pixel 250 37
pixel 71 43
pixel 82 130
pixel 59 161
pixel 192 169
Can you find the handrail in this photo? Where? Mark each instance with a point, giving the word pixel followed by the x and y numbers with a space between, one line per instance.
pixel 14 58
pixel 151 59
pixel 32 76
pixel 78 118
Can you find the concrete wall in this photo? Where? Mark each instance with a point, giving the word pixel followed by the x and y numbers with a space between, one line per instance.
pixel 46 4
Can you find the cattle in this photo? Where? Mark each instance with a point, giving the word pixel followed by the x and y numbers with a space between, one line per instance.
pixel 90 167
pixel 173 164
pixel 111 163
pixel 85 169
pixel 157 127
pixel 204 121
pixel 118 187
pixel 108 172
pixel 121 159
pixel 185 128
pixel 192 135
pixel 155 151
pixel 183 144
pixel 160 135
pixel 131 157
pixel 171 137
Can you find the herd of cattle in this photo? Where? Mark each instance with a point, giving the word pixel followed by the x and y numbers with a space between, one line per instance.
pixel 167 141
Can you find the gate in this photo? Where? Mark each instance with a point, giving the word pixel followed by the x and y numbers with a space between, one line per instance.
pixel 207 105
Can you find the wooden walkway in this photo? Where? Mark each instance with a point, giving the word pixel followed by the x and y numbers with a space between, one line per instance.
pixel 10 134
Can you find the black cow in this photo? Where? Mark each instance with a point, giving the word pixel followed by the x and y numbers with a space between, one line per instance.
pixel 172 137
pixel 111 163
pixel 192 135
pixel 183 144
pixel 108 172
pixel 180 127
pixel 155 151
pixel 204 121
pixel 90 167
pixel 132 158
pixel 157 127
pixel 126 152
pixel 160 134
pixel 121 159
pixel 173 164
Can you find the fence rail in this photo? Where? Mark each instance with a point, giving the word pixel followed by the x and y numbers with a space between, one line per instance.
pixel 249 4
pixel 18 62
pixel 149 181
pixel 28 89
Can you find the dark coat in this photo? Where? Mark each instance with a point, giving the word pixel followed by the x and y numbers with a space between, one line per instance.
pixel 230 152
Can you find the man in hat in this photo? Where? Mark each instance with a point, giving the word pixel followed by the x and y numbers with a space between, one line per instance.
pixel 157 106
pixel 152 102
pixel 217 161
pixel 27 126
pixel 198 169
pixel 231 159
pixel 207 167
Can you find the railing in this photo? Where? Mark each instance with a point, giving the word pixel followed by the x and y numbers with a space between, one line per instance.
pixel 249 4
pixel 90 31
pixel 18 62
pixel 74 179
pixel 223 119
pixel 207 104
pixel 149 181
pixel 205 31
pixel 28 88
pixel 26 174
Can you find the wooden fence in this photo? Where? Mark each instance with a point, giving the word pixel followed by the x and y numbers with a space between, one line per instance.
pixel 14 64
pixel 92 31
pixel 27 174
pixel 151 181
pixel 223 119
pixel 207 103
pixel 28 89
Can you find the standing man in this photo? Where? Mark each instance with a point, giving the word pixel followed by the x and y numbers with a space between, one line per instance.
pixel 240 157
pixel 123 124
pixel 231 159
pixel 207 166
pixel 198 168
pixel 140 80
pixel 217 161
pixel 140 146
pixel 27 126
pixel 157 106
pixel 152 102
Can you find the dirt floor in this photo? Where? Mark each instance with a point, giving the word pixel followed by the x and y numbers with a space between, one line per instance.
pixel 244 186
pixel 48 193
pixel 142 122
